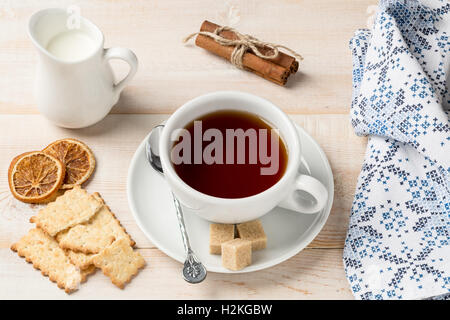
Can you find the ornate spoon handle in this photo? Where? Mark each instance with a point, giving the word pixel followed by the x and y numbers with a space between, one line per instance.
pixel 184 235
pixel 193 270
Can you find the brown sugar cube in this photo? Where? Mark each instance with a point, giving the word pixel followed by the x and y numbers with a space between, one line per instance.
pixel 218 234
pixel 254 232
pixel 236 254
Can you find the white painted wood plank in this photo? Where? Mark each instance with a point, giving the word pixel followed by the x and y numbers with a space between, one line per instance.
pixel 312 274
pixel 114 141
pixel 171 73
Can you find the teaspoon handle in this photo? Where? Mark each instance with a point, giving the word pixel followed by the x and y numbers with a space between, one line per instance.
pixel 184 235
pixel 193 270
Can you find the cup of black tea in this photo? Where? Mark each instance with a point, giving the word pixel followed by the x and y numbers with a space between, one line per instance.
pixel 231 157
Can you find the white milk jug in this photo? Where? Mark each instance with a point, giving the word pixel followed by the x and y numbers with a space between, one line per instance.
pixel 74 85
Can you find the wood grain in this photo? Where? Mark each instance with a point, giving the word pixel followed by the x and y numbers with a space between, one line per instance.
pixel 114 141
pixel 312 274
pixel 318 98
pixel 170 73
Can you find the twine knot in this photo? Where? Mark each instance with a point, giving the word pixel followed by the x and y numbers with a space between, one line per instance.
pixel 242 44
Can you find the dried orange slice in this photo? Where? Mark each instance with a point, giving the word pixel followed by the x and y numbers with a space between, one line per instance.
pixel 35 177
pixel 77 158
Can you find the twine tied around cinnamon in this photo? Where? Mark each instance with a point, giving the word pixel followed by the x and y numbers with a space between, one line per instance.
pixel 242 44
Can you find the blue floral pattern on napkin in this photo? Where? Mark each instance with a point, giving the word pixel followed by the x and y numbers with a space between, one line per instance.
pixel 398 242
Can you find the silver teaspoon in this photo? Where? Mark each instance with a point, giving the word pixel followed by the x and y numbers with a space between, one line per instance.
pixel 193 270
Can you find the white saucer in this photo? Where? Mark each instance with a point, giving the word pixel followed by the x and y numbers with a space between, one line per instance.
pixel 287 232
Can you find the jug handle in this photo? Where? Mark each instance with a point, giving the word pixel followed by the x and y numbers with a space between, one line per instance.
pixel 129 57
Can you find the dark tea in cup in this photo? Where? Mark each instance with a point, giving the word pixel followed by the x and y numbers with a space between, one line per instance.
pixel 229 154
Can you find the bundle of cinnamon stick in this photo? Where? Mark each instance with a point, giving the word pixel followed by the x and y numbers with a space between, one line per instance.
pixel 277 69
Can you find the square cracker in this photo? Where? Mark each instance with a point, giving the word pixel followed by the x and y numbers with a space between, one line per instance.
pixel 44 252
pixel 74 207
pixel 96 234
pixel 87 272
pixel 119 262
pixel 79 259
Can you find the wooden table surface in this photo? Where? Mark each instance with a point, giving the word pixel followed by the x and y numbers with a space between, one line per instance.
pixel 318 98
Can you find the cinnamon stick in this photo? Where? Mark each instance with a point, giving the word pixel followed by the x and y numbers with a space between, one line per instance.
pixel 283 59
pixel 276 70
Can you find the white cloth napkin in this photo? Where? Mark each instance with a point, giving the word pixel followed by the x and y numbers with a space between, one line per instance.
pixel 398 242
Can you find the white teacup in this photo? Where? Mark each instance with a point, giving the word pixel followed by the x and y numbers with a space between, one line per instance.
pixel 285 193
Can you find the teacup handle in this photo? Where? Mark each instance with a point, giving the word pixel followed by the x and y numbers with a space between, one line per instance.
pixel 311 186
pixel 129 57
